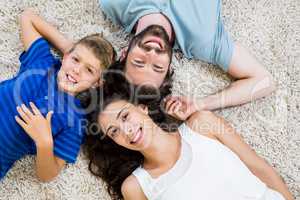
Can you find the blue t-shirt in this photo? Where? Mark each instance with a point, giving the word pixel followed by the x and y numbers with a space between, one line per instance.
pixel 197 24
pixel 36 82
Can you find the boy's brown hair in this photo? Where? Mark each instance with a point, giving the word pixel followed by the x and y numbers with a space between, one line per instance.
pixel 100 47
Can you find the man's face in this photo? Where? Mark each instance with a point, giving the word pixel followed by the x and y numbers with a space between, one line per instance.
pixel 149 57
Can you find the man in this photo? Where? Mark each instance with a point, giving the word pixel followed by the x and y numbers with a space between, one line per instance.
pixel 194 26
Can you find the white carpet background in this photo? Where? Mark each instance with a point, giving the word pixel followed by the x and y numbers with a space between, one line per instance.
pixel 270 29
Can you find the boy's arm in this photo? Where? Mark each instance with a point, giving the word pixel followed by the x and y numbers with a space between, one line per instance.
pixel 48 166
pixel 33 27
pixel 205 122
pixel 38 128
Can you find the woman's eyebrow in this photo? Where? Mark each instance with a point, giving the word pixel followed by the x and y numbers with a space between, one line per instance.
pixel 118 115
pixel 110 127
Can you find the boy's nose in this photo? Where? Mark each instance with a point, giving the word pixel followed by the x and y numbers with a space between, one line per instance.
pixel 76 68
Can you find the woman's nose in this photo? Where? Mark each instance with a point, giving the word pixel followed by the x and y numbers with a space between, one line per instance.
pixel 129 129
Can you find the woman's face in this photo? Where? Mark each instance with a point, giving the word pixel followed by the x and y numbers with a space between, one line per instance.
pixel 128 125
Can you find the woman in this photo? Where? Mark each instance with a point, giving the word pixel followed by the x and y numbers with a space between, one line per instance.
pixel 204 159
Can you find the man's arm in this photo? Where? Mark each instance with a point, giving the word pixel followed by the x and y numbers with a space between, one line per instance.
pixel 33 27
pixel 218 128
pixel 253 82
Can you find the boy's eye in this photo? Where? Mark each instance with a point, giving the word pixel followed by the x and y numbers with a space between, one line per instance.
pixel 75 59
pixel 89 70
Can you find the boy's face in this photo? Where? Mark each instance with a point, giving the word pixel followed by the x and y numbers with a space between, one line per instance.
pixel 80 70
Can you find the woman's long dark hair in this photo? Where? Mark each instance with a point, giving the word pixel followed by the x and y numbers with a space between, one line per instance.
pixel 108 160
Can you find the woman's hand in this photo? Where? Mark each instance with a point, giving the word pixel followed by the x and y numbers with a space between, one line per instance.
pixel 180 107
pixel 35 125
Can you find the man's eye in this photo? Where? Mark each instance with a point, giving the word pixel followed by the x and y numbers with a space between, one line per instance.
pixel 158 67
pixel 139 62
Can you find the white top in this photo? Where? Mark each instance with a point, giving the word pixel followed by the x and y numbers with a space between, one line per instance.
pixel 205 170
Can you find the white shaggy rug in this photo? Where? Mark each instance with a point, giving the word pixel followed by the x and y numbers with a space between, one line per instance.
pixel 270 29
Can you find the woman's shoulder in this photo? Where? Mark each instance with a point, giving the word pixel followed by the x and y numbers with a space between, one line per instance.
pixel 131 189
pixel 204 123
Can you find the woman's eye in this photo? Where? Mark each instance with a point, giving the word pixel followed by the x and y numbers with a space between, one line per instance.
pixel 114 133
pixel 124 117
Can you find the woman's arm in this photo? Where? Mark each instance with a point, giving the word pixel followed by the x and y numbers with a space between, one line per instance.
pixel 205 122
pixel 33 27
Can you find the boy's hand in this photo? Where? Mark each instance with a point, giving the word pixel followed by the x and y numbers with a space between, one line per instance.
pixel 180 107
pixel 35 125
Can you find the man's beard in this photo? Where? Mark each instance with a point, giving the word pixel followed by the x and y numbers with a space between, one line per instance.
pixel 153 30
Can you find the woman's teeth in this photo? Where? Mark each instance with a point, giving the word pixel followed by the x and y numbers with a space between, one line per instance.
pixel 137 136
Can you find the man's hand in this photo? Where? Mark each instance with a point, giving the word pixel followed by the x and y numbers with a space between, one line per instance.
pixel 35 125
pixel 181 107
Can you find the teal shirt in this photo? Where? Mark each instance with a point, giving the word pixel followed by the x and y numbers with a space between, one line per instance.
pixel 197 24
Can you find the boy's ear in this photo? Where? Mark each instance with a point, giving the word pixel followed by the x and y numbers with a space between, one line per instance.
pixel 64 58
pixel 143 108
pixel 98 83
pixel 65 55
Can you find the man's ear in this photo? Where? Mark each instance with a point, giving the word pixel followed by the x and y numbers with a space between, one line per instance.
pixel 124 52
pixel 143 108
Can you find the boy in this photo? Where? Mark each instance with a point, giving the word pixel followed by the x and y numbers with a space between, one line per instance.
pixel 46 86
